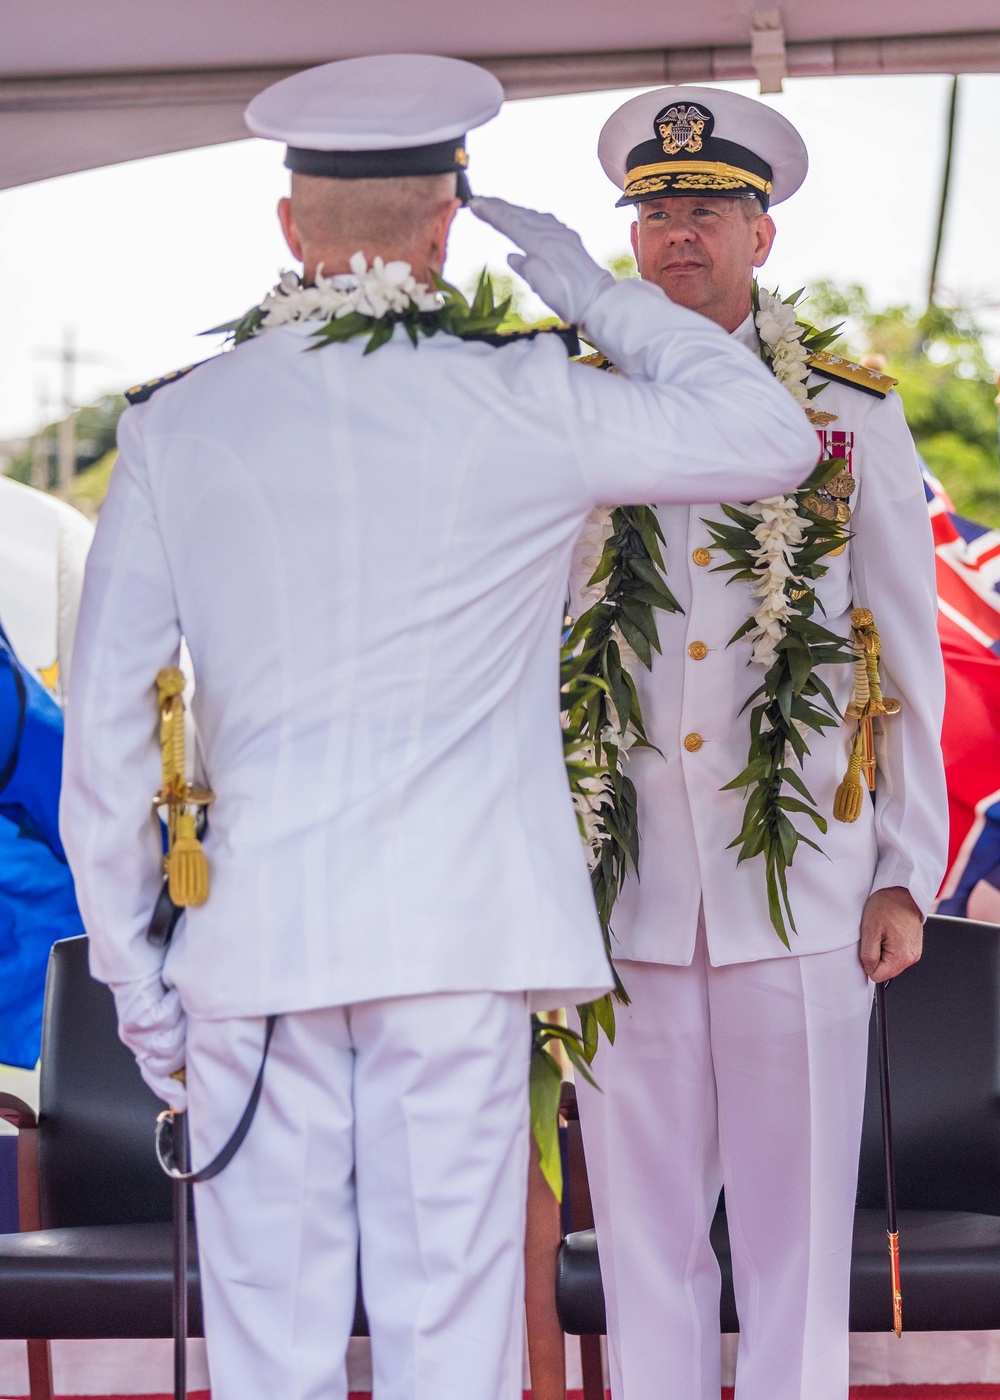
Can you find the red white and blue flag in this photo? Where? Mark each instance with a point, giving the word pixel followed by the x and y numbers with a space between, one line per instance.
pixel 968 582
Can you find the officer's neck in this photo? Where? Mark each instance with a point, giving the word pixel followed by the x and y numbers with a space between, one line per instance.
pixel 422 257
pixel 731 314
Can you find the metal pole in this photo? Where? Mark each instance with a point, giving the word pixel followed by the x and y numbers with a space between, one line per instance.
pixel 945 187
pixel 890 1165
pixel 40 464
pixel 181 1191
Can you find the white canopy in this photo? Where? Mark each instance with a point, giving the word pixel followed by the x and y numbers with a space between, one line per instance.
pixel 83 85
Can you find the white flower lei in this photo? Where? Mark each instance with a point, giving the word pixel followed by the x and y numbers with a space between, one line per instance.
pixel 781 337
pixel 367 291
pixel 780 532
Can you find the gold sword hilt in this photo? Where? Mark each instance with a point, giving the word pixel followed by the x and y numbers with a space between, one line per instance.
pixel 897 1294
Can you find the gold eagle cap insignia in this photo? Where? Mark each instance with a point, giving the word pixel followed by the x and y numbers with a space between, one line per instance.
pixel 680 129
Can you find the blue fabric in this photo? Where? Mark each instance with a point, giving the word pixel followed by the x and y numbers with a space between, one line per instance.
pixel 983 864
pixel 37 898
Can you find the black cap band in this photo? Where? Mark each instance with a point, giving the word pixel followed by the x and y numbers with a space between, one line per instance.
pixel 443 158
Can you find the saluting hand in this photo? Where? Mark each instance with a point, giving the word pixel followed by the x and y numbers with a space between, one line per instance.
pixel 555 264
pixel 892 933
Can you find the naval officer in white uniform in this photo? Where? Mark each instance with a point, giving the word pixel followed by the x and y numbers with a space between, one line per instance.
pixel 368 555
pixel 43 549
pixel 740 1061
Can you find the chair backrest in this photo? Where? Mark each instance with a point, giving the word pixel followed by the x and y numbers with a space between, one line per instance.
pixel 944 1052
pixel 96 1116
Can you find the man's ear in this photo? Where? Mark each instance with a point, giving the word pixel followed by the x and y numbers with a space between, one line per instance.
pixel 288 228
pixel 764 236
pixel 439 233
pixel 634 233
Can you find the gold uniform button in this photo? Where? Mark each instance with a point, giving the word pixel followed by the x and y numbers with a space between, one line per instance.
pixel 693 742
pixel 697 651
pixel 702 556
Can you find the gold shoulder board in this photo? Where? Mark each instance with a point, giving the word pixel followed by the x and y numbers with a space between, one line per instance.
pixel 141 392
pixel 869 381
pixel 598 360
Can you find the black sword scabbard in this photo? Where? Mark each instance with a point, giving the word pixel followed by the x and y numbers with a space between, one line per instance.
pixel 181 1191
pixel 890 1165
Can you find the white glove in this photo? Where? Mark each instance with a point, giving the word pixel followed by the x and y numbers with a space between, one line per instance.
pixel 555 264
pixel 151 1022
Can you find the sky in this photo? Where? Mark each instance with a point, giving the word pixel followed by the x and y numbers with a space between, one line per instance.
pixel 135 259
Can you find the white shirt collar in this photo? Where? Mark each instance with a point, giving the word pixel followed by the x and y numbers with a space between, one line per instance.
pixel 746 334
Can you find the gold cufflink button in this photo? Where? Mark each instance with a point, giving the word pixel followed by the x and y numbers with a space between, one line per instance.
pixel 693 742
pixel 697 651
pixel 702 556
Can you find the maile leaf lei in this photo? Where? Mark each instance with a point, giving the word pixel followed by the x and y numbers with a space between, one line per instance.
pixel 602 720
pixel 777 547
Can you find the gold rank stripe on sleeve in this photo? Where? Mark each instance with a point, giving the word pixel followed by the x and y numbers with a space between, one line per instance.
pixel 869 381
pixel 141 392
pixel 597 360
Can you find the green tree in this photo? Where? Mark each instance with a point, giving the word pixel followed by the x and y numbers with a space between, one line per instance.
pixel 96 427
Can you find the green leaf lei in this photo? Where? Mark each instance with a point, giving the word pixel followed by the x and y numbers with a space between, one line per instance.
pixel 792 698
pixel 602 720
pixel 603 717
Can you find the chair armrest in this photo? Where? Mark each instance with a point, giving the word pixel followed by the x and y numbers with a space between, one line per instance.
pixel 581 1212
pixel 23 1117
pixel 17 1113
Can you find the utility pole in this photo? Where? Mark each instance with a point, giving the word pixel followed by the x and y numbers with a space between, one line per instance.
pixel 949 150
pixel 40 463
pixel 69 357
pixel 66 454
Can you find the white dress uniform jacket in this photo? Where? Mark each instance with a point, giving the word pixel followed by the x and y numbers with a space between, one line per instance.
pixel 43 549
pixel 368 556
pixel 686 820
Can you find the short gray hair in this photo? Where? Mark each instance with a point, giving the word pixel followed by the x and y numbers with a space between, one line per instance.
pixel 751 206
pixel 377 211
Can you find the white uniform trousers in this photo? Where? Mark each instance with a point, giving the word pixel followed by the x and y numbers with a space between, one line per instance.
pixel 404 1121
pixel 751 1075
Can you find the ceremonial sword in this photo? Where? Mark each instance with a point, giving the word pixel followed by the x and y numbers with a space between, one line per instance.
pixel 173 1152
pixel 890 1165
pixel 868 704
pixel 185 883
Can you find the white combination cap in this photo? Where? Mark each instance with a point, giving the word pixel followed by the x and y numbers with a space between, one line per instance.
pixel 376 117
pixel 699 140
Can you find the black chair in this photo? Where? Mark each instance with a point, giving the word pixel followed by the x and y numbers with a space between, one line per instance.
pixel 944 1025
pixel 94 1256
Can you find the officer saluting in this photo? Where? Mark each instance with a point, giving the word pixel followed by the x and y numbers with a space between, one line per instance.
pixel 367 554
pixel 741 1061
